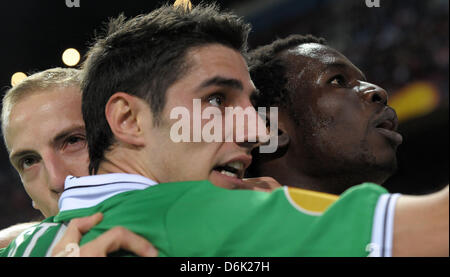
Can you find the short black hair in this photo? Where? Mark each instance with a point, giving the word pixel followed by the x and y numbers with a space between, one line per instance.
pixel 268 71
pixel 143 56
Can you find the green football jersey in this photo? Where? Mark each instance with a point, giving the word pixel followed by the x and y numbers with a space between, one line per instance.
pixel 197 218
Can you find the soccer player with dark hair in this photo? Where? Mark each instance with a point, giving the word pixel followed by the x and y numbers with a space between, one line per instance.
pixel 174 194
pixel 336 128
pixel 140 57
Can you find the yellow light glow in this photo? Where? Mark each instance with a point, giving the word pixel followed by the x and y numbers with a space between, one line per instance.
pixel 415 100
pixel 71 57
pixel 17 78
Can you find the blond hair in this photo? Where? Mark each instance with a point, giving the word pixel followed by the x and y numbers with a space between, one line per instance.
pixel 45 80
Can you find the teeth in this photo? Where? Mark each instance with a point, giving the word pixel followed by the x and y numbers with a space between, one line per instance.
pixel 236 165
pixel 227 173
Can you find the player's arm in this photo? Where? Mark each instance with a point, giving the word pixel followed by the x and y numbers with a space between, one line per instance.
pixel 110 241
pixel 9 234
pixel 421 225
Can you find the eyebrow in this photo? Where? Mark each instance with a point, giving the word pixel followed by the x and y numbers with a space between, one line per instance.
pixel 63 134
pixel 227 82
pixel 222 82
pixel 15 156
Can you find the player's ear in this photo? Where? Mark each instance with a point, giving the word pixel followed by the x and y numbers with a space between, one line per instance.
pixel 283 139
pixel 283 144
pixel 123 113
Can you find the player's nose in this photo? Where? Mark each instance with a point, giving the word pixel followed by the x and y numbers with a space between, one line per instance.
pixel 373 93
pixel 57 172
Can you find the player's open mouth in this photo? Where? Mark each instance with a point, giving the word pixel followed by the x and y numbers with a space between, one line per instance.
pixel 233 169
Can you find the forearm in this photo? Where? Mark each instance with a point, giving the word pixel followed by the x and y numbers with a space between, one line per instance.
pixel 421 225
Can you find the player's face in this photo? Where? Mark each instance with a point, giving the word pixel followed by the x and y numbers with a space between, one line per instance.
pixel 345 123
pixel 46 141
pixel 219 77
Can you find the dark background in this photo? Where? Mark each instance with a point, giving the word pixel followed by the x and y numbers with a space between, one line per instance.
pixel 399 45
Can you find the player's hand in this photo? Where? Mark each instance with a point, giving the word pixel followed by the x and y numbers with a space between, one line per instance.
pixel 260 184
pixel 110 241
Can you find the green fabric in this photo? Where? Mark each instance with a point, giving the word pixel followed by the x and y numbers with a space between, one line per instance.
pixel 199 219
pixel 24 239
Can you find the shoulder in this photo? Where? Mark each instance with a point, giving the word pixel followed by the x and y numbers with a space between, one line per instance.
pixel 26 236
pixel 7 235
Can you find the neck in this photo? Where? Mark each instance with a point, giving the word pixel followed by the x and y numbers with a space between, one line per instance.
pixel 119 161
pixel 292 177
pixel 292 169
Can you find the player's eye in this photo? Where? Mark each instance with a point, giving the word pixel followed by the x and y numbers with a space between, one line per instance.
pixel 338 80
pixel 27 162
pixel 74 142
pixel 74 139
pixel 217 99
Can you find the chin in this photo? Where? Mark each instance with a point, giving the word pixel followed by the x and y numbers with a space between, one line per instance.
pixel 381 165
pixel 381 172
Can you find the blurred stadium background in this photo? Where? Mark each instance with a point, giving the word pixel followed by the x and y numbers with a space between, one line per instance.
pixel 401 46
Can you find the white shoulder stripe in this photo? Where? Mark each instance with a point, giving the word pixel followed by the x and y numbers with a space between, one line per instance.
pixel 382 228
pixel 43 228
pixel 389 227
pixel 57 238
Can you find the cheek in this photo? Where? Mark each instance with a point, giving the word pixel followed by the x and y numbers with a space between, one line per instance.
pixel 341 111
pixel 36 189
pixel 80 164
pixel 329 107
pixel 199 158
pixel 184 161
pixel 337 124
pixel 33 178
